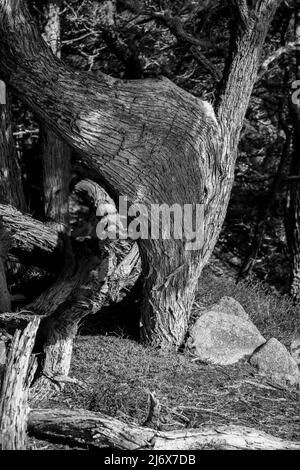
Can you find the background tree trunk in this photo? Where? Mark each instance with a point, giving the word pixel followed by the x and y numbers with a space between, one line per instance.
pixel 293 196
pixel 11 188
pixel 56 153
pixel 5 243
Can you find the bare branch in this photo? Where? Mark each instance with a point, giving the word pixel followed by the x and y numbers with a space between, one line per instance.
pixel 176 27
pixel 265 66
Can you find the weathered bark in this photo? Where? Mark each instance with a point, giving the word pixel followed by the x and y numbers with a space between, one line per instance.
pixel 33 243
pixel 148 140
pixel 17 378
pixel 56 154
pixel 84 428
pixel 293 195
pixel 11 188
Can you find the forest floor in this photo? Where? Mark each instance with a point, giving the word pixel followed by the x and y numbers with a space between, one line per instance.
pixel 117 373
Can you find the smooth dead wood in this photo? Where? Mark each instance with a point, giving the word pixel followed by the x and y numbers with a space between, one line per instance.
pixel 84 428
pixel 16 381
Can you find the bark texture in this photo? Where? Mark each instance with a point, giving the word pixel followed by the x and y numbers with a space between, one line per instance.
pixel 148 140
pixel 33 242
pixel 17 378
pixel 95 430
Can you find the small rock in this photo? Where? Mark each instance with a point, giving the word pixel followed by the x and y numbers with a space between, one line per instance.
pixel 295 350
pixel 274 361
pixel 230 306
pixel 219 338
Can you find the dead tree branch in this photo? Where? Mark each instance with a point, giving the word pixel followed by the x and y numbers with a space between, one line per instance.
pixel 84 428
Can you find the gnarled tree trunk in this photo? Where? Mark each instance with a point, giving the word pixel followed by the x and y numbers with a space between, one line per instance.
pixel 148 140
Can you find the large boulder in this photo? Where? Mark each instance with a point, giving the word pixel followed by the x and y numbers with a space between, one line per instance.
pixel 231 306
pixel 275 362
pixel 220 338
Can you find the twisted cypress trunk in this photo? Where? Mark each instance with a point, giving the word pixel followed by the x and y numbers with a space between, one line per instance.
pixel 148 140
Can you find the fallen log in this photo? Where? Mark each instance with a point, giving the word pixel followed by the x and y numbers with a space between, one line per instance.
pixel 96 430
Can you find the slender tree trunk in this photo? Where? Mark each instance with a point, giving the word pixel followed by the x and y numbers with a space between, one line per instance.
pixel 56 153
pixel 265 210
pixel 293 196
pixel 5 242
pixel 11 186
pixel 148 140
pixel 11 189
